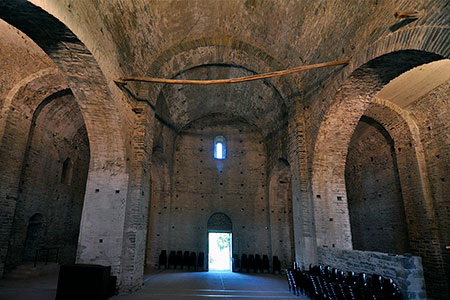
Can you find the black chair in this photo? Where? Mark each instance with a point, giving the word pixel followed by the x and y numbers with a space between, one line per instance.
pixel 276 265
pixel 352 278
pixel 193 261
pixel 162 261
pixel 258 263
pixel 291 281
pixel 179 259
pixel 236 263
pixel 390 290
pixel 172 259
pixel 201 261
pixel 185 261
pixel 251 263
pixel 326 283
pixel 362 280
pixel 244 263
pixel 266 264
pixel 341 277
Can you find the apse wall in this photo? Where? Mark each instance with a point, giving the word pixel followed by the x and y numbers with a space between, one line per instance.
pixel 203 185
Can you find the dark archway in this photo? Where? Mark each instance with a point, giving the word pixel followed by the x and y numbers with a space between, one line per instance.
pixel 34 235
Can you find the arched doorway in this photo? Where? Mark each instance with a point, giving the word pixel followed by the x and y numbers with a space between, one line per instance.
pixel 34 234
pixel 219 242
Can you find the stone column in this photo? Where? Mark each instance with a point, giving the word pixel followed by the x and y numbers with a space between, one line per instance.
pixel 302 206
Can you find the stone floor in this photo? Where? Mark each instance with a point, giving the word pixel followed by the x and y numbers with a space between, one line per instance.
pixel 168 285
pixel 41 288
pixel 171 284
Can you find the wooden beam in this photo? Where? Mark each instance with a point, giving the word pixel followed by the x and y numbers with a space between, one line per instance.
pixel 407 14
pixel 124 80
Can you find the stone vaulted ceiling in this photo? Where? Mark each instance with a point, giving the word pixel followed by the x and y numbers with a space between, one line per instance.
pixel 192 39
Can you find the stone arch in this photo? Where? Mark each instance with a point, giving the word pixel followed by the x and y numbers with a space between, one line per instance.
pixel 90 92
pixel 219 221
pixel 355 99
pixel 29 92
pixel 431 39
pixel 337 126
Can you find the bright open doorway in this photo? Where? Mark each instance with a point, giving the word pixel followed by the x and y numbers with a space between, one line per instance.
pixel 219 248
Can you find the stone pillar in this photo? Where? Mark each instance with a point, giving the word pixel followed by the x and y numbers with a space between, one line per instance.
pixel 137 208
pixel 114 222
pixel 302 206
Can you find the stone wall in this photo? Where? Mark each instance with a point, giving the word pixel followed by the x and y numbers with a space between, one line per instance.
pixel 406 271
pixel 202 185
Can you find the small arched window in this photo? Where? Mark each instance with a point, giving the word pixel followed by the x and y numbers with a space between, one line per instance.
pixel 66 176
pixel 220 148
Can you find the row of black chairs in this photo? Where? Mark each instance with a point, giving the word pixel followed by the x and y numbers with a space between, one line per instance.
pixel 179 260
pixel 255 264
pixel 326 283
pixel 191 261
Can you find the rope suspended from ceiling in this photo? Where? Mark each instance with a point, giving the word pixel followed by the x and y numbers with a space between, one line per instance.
pixel 124 80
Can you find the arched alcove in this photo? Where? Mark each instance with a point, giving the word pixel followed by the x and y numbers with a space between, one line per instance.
pixel 50 181
pixel 34 237
pixel 375 202
pixel 219 222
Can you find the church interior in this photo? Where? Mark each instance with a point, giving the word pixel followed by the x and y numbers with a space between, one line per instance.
pixel 346 166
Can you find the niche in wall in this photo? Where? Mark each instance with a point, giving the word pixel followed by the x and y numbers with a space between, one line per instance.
pixel 375 203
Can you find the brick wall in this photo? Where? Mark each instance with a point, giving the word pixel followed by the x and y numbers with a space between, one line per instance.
pixel 432 114
pixel 375 202
pixel 202 186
